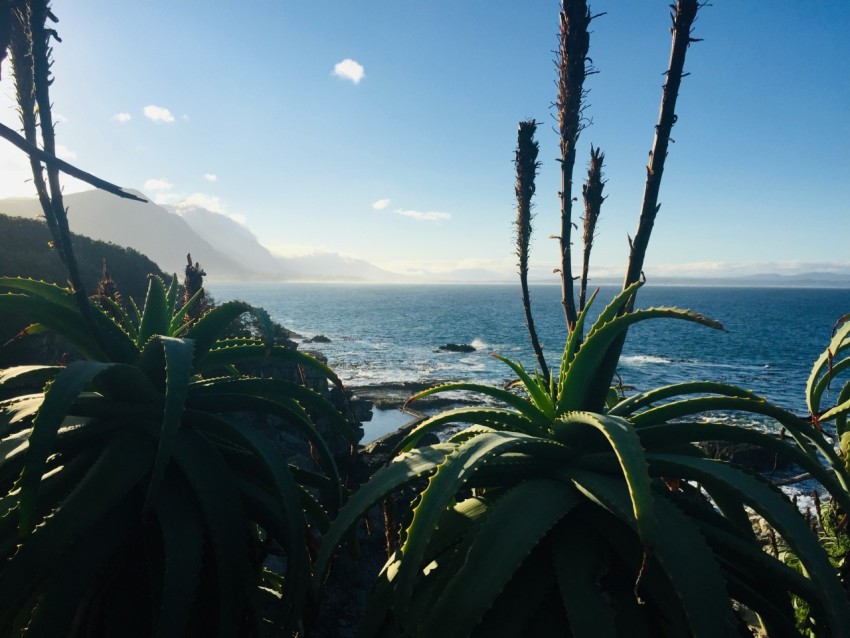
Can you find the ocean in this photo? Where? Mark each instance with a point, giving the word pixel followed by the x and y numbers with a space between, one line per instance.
pixel 391 333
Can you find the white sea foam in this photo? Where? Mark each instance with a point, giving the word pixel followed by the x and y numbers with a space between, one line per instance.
pixel 479 344
pixel 641 359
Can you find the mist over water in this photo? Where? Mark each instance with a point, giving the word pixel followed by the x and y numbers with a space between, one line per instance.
pixel 391 333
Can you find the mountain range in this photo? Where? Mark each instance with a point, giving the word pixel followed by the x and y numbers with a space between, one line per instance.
pixel 228 250
pixel 166 234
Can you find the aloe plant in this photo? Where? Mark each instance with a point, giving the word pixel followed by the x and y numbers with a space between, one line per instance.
pixel 545 518
pixel 136 498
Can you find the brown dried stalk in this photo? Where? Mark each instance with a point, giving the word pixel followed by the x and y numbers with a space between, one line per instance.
pixel 683 19
pixel 684 14
pixel 574 42
pixel 593 198
pixel 526 164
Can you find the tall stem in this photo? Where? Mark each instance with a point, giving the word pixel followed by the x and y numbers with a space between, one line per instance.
pixel 683 20
pixel 31 56
pixel 526 171
pixel 574 42
pixel 685 12
pixel 593 198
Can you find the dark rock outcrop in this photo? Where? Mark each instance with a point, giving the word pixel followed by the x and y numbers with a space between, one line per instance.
pixel 457 347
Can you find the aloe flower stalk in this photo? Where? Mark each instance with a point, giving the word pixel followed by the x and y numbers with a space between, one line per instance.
pixel 526 171
pixel 574 42
pixel 593 198
pixel 683 16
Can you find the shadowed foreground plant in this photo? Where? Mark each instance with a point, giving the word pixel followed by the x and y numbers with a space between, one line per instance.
pixel 543 518
pixel 136 499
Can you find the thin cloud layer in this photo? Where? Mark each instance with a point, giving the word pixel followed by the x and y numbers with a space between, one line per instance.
pixel 348 69
pixel 420 216
pixel 161 184
pixel 210 177
pixel 381 204
pixel 122 118
pixel 158 114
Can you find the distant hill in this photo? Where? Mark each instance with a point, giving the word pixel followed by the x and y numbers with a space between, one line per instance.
pixel 144 226
pixel 24 252
pixel 225 249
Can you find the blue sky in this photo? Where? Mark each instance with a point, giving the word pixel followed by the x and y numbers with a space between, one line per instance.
pixel 252 121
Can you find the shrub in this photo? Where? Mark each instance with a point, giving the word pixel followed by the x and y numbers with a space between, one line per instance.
pixel 546 518
pixel 136 499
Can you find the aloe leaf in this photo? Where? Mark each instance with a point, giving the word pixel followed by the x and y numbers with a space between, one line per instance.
pixel 42 289
pixel 276 390
pixel 171 297
pixel 814 388
pixel 841 418
pixel 206 330
pixel 59 601
pixel 403 470
pixel 572 345
pixel 220 357
pixel 492 417
pixel 180 521
pixel 64 321
pixel 615 307
pixel 815 395
pixel 178 322
pixel 538 393
pixel 123 319
pixel 681 432
pixel 514 525
pixel 120 467
pixel 289 501
pixel 580 376
pixel 778 511
pixel 155 317
pixel 643 399
pixel 522 602
pixel 28 375
pixel 225 403
pixel 57 401
pixel 17 413
pixel 803 432
pixel 626 444
pixel 682 553
pixel 523 406
pixel 442 488
pixel 577 559
pixel 218 497
pixel 178 370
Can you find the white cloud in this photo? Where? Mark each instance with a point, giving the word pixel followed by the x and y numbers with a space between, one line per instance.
pixel 239 219
pixel 184 117
pixel 121 117
pixel 348 69
pixel 158 113
pixel 167 199
pixel 420 216
pixel 202 200
pixel 65 153
pixel 381 204
pixel 210 177
pixel 161 184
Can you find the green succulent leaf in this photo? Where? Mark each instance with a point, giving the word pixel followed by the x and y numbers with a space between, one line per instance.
pixel 580 376
pixel 778 511
pixel 537 391
pixel 626 445
pixel 521 405
pixel 515 524
pixel 403 470
pixel 634 403
pixel 155 317
pixel 218 496
pixel 58 398
pixel 178 370
pixel 493 417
